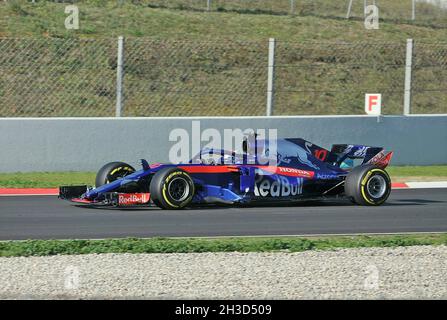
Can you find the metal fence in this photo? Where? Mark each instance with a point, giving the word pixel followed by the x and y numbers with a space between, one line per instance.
pixel 78 77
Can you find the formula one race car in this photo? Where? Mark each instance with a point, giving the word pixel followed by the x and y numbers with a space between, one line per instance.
pixel 297 170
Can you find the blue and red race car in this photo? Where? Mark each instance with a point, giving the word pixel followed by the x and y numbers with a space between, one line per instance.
pixel 301 170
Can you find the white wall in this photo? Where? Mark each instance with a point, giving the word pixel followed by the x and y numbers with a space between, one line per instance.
pixel 80 144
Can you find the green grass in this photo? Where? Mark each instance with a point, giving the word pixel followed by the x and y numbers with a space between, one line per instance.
pixel 172 245
pixel 45 179
pixel 56 179
pixel 108 18
pixel 418 171
pixel 162 78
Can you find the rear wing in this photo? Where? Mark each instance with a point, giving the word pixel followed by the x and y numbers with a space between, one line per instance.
pixel 370 155
pixel 382 159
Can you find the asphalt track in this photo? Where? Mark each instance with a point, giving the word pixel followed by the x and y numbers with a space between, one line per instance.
pixel 46 217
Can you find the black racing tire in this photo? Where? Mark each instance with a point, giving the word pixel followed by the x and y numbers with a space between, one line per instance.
pixel 112 171
pixel 172 188
pixel 368 185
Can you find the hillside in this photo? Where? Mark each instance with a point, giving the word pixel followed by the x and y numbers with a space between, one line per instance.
pixel 108 18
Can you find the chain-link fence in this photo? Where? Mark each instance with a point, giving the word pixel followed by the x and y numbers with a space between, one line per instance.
pixel 57 77
pixel 170 78
pixel 332 78
pixel 429 90
pixel 75 77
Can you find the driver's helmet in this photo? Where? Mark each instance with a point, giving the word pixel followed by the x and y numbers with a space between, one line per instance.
pixel 347 163
pixel 228 158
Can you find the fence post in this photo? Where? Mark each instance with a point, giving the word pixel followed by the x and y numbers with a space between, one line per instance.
pixel 119 77
pixel 292 7
pixel 348 14
pixel 271 77
pixel 413 10
pixel 208 5
pixel 408 77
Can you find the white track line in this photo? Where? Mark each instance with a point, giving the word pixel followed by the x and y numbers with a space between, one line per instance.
pixel 427 185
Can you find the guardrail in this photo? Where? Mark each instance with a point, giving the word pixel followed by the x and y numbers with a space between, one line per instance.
pixel 85 144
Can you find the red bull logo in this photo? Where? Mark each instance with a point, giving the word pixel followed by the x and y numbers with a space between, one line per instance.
pixel 128 199
pixel 280 187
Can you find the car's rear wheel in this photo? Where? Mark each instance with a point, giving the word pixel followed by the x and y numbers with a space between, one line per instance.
pixel 112 171
pixel 172 188
pixel 368 185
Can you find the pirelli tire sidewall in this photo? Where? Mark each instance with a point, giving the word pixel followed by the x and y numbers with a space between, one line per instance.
pixel 112 171
pixel 356 185
pixel 159 188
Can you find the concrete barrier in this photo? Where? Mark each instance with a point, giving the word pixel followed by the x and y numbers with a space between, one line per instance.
pixel 84 144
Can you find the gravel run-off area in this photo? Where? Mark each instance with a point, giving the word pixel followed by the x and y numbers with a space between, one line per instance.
pixel 418 272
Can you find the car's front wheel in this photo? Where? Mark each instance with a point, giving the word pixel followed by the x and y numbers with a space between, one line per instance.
pixel 112 171
pixel 172 188
pixel 368 185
